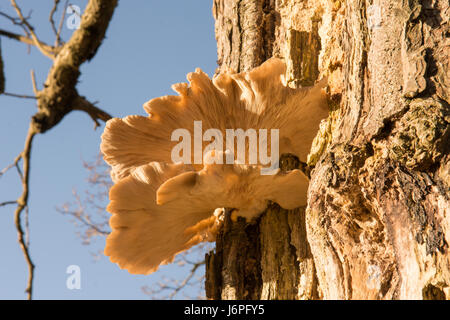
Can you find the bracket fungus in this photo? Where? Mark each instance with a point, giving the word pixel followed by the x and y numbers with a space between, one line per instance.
pixel 162 207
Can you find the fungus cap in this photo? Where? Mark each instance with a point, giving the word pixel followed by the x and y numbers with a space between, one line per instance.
pixel 160 208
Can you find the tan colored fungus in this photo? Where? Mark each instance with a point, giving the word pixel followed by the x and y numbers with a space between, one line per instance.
pixel 160 208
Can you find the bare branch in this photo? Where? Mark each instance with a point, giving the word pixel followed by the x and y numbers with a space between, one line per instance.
pixel 28 40
pixel 2 204
pixel 52 22
pixel 89 213
pixel 187 279
pixel 19 171
pixel 81 215
pixel 59 95
pixel 172 285
pixel 2 73
pixel 33 82
pixel 175 286
pixel 22 203
pixel 30 28
pixel 22 96
pixel 95 113
pixel 14 164
pixel 61 22
pixel 16 21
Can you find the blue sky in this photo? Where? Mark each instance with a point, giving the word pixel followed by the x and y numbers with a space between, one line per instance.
pixel 149 46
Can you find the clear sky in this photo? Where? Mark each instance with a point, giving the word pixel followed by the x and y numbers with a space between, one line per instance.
pixel 149 46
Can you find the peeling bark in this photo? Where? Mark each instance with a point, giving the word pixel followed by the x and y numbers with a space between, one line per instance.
pixel 377 224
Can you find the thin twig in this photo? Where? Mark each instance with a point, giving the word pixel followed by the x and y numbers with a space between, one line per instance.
pixel 27 226
pixel 33 82
pixel 95 113
pixel 81 215
pixel 7 203
pixel 19 171
pixel 14 164
pixel 173 285
pixel 61 22
pixel 52 22
pixel 27 40
pixel 2 71
pixel 22 96
pixel 31 31
pixel 16 21
pixel 12 19
pixel 187 279
pixel 22 203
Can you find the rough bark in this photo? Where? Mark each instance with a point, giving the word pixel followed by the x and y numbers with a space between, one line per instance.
pixel 271 258
pixel 377 224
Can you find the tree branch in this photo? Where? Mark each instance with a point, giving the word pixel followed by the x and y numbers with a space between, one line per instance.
pixel 95 113
pixel 30 28
pixel 175 286
pixel 27 40
pixel 33 82
pixel 2 73
pixel 22 96
pixel 16 21
pixel 52 21
pixel 22 203
pixel 187 279
pixel 14 164
pixel 8 203
pixel 80 214
pixel 61 22
pixel 59 96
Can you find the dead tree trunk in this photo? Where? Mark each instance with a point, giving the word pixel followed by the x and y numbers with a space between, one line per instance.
pixel 377 224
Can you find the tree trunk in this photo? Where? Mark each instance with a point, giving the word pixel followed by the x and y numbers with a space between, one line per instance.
pixel 377 224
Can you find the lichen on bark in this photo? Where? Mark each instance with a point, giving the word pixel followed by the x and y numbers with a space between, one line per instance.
pixel 421 136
